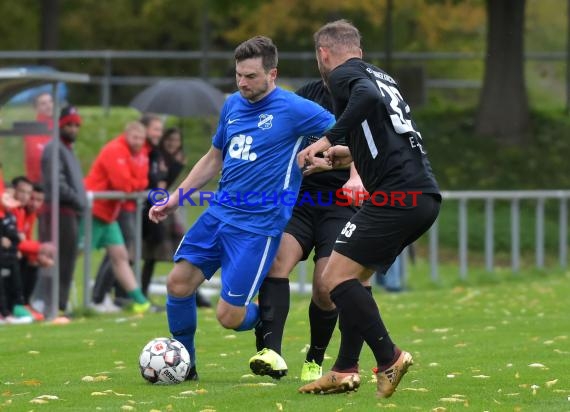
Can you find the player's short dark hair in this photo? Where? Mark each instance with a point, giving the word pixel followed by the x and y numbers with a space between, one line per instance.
pixel 340 34
pixel 20 179
pixel 38 188
pixel 258 46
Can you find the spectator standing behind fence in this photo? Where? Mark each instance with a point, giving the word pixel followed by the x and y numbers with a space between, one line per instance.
pixel 105 279
pixel 72 201
pixel 122 165
pixel 160 240
pixel 35 144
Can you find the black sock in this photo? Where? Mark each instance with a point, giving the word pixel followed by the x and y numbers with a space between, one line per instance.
pixel 322 323
pixel 360 315
pixel 273 310
pixel 350 345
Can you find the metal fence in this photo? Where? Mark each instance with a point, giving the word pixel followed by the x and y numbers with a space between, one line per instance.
pixel 462 197
pixel 307 58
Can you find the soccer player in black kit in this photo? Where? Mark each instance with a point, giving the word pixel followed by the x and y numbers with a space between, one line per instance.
pixel 316 222
pixel 390 158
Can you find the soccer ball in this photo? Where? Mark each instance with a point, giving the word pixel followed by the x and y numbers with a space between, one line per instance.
pixel 164 361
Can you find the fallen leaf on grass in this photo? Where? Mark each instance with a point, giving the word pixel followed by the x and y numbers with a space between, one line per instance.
pixel 279 406
pixel 482 376
pixel 39 401
pixel 414 389
pixel 127 408
pixel 441 330
pixel 536 365
pixel 252 385
pixel 48 397
pixel 98 394
pixel 33 352
pixel 32 382
pixel 452 400
pixel 551 383
pixel 101 378
pixel 88 378
pixel 439 409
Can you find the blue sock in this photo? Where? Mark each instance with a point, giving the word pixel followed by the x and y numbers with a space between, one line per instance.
pixel 251 317
pixel 182 321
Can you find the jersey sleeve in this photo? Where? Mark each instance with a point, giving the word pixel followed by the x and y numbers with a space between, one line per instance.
pixel 310 118
pixel 220 135
pixel 361 96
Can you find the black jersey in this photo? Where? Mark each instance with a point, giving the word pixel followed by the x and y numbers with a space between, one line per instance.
pixel 331 180
pixel 386 147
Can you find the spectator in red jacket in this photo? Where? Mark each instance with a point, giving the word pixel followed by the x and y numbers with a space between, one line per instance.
pixel 34 144
pixel 105 279
pixel 122 165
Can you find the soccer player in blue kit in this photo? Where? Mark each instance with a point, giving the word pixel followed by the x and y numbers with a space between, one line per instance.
pixel 259 133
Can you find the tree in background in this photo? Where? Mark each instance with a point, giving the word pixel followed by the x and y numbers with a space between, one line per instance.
pixel 49 30
pixel 503 106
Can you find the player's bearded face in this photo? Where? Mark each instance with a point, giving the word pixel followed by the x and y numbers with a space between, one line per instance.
pixel 252 80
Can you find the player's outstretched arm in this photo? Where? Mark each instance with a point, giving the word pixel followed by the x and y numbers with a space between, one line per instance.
pixel 203 171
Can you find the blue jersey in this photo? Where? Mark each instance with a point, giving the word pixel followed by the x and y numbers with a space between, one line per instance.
pixel 259 143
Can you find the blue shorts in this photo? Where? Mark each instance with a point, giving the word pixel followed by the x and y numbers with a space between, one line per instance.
pixel 245 257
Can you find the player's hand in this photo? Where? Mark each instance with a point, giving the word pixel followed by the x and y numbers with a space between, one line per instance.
pixel 157 213
pixel 308 154
pixel 319 165
pixel 354 189
pixel 338 156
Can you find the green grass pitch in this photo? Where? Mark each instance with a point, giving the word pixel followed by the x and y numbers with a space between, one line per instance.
pixel 493 347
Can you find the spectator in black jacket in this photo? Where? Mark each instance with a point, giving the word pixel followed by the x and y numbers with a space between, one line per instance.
pixel 72 202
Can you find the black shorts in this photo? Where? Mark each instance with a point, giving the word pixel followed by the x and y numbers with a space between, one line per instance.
pixel 318 227
pixel 376 235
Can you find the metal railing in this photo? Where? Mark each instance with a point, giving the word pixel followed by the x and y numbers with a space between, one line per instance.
pixel 139 198
pixel 108 57
pixel 514 197
pixel 462 197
